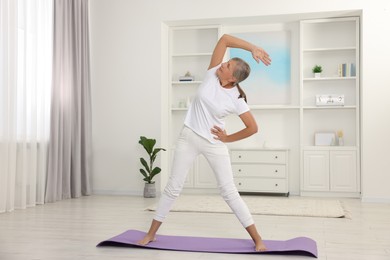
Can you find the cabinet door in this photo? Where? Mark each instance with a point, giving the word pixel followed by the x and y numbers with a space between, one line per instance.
pixel 343 173
pixel 316 171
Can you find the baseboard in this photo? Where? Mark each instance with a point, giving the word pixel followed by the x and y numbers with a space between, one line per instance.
pixel 140 192
pixel 375 200
pixel 355 195
pixel 117 193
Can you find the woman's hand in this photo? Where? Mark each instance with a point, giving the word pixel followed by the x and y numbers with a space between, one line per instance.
pixel 219 133
pixel 259 54
pixel 229 41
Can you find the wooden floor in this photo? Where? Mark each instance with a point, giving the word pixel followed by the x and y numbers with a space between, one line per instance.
pixel 71 229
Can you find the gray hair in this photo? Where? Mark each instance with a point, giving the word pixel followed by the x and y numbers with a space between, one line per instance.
pixel 242 70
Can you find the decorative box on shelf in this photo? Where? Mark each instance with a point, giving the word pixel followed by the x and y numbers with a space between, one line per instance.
pixel 324 139
pixel 330 100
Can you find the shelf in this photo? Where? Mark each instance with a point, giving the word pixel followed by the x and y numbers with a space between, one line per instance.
pixel 330 49
pixel 252 107
pixel 328 148
pixel 179 109
pixel 192 54
pixel 238 148
pixel 195 82
pixel 272 107
pixel 329 78
pixel 327 107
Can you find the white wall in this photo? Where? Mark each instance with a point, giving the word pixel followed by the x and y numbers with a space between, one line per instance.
pixel 126 57
pixel 375 104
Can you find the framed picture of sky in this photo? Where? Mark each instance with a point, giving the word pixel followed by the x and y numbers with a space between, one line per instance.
pixel 267 85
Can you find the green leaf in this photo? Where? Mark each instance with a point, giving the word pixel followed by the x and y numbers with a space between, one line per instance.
pixel 147 143
pixel 145 164
pixel 155 152
pixel 142 140
pixel 155 171
pixel 143 173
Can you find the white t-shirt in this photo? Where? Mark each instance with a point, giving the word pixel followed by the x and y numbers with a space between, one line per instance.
pixel 212 104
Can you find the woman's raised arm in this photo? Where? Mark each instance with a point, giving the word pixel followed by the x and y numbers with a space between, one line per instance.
pixel 228 41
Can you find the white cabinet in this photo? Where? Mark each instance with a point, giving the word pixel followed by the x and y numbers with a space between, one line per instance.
pixel 330 171
pixel 260 170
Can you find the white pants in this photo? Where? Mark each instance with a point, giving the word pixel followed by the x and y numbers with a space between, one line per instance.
pixel 189 146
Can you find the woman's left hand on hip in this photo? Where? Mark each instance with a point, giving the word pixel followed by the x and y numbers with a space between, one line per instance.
pixel 220 134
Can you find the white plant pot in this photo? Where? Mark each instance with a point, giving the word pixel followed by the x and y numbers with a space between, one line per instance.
pixel 150 190
pixel 317 75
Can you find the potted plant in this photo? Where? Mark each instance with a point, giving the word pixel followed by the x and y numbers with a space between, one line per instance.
pixel 317 71
pixel 150 171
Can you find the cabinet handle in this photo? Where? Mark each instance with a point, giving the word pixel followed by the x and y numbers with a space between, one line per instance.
pixel 276 171
pixel 239 183
pixel 239 156
pixel 239 170
pixel 276 157
pixel 276 185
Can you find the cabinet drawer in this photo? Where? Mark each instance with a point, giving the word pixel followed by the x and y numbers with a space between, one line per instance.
pixel 261 185
pixel 259 170
pixel 258 156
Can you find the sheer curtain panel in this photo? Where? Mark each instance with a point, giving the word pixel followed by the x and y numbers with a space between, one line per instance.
pixel 25 85
pixel 68 173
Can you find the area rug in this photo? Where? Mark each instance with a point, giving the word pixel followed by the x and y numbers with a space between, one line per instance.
pixel 262 205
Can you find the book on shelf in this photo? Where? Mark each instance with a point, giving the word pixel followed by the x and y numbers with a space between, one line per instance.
pixel 347 70
pixel 186 78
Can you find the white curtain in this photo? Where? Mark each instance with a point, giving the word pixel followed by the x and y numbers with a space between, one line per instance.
pixel 69 155
pixel 25 85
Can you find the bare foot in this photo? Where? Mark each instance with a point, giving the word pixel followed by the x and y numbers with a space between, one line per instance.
pixel 260 247
pixel 146 240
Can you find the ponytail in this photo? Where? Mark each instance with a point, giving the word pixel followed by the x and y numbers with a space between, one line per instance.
pixel 242 93
pixel 241 72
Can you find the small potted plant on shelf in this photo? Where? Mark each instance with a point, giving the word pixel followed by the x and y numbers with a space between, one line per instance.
pixel 317 69
pixel 150 171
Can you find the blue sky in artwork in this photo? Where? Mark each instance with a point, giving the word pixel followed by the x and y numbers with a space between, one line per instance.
pixel 277 45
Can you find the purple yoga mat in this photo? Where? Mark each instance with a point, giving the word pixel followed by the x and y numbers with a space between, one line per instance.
pixel 296 246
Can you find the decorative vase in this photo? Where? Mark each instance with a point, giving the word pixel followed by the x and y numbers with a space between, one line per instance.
pixel 150 190
pixel 317 75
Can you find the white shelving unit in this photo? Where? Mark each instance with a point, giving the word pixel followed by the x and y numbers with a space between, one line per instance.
pixel 190 50
pixel 329 170
pixel 290 124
